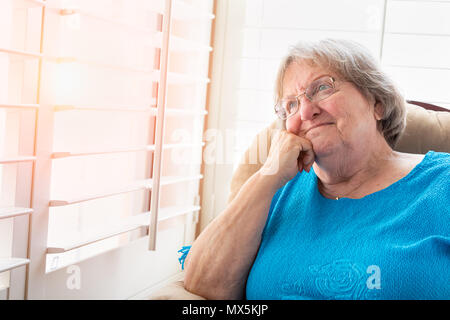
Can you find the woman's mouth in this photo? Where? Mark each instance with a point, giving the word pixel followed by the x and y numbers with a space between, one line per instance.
pixel 319 125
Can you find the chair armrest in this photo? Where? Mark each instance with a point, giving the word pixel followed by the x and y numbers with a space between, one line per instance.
pixel 174 291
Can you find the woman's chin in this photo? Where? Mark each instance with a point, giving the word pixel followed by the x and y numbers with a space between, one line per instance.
pixel 323 148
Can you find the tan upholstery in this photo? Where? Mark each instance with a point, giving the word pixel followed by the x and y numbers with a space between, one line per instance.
pixel 174 291
pixel 425 130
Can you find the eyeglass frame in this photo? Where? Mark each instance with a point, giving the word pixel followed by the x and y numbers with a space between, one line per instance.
pixel 333 80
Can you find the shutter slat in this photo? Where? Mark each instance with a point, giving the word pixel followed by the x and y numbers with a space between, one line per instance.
pixel 11 212
pixel 181 44
pixel 156 8
pixel 97 64
pixel 23 53
pixel 133 223
pixel 185 11
pixel 20 106
pixel 39 3
pixel 60 248
pixel 12 263
pixel 17 159
pixel 142 185
pixel 182 78
pixel 67 154
pixel 185 112
pixel 151 110
pixel 175 211
pixel 175 179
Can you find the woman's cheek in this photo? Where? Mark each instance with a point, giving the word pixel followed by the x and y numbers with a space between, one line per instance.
pixel 334 108
pixel 293 125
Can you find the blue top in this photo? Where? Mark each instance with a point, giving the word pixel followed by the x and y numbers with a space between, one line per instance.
pixel 392 244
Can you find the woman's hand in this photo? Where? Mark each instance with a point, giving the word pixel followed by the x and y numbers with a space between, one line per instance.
pixel 288 155
pixel 220 259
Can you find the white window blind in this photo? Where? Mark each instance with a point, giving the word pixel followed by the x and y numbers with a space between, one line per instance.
pixel 18 61
pixel 120 91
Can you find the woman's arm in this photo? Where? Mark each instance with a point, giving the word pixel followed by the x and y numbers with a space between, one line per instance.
pixel 220 259
pixel 218 263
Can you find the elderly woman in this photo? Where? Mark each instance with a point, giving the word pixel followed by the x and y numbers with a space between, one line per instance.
pixel 334 213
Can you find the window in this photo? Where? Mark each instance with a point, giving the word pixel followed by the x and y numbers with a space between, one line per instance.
pixel 17 123
pixel 100 73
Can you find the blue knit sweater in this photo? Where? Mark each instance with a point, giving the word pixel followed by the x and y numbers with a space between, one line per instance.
pixel 392 244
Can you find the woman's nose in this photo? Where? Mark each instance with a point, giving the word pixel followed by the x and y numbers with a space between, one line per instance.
pixel 308 110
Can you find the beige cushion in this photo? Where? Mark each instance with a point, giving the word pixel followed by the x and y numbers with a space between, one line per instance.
pixel 425 130
pixel 174 291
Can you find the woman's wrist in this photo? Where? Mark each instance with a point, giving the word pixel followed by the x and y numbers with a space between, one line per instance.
pixel 269 180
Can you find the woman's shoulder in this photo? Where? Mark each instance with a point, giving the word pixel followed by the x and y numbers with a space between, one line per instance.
pixel 441 156
pixel 409 160
pixel 428 169
pixel 430 159
pixel 433 166
pixel 438 160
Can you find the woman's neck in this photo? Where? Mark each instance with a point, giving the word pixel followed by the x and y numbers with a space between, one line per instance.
pixel 354 173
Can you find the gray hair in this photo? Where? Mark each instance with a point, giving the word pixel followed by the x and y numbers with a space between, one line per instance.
pixel 354 63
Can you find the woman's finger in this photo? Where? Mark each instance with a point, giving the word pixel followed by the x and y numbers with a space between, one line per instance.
pixel 308 152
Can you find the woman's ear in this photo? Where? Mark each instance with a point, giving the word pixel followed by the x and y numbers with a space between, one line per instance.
pixel 378 110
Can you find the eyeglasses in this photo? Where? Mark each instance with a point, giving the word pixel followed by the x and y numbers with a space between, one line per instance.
pixel 318 90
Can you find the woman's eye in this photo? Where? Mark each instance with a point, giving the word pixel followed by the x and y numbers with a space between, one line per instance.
pixel 323 87
pixel 290 105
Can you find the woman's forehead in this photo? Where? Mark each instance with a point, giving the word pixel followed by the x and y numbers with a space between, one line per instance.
pixel 299 75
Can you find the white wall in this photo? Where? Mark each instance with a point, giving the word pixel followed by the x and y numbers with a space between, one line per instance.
pixel 416 49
